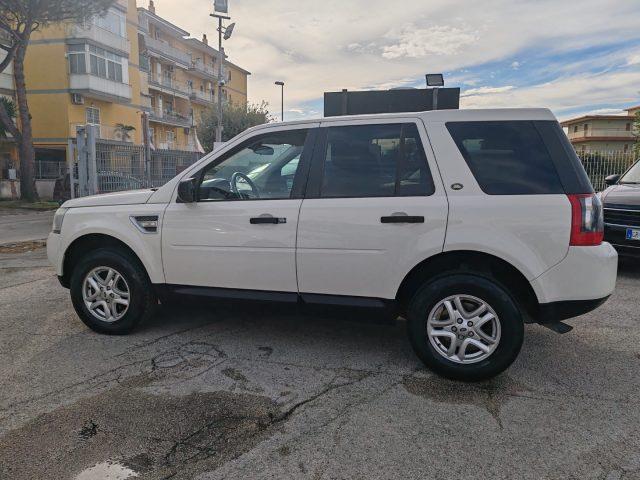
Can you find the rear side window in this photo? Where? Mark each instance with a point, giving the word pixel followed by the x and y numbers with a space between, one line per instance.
pixel 375 161
pixel 507 158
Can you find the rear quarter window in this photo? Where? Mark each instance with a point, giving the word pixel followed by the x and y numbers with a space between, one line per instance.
pixel 507 157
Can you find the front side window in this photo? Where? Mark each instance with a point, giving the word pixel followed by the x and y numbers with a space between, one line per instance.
pixel 507 157
pixel 375 161
pixel 264 167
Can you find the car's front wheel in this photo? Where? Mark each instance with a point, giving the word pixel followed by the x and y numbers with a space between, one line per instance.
pixel 465 327
pixel 111 292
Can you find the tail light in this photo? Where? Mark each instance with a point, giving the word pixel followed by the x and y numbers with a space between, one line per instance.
pixel 587 221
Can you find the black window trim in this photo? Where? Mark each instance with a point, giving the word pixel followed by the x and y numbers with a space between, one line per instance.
pixel 316 174
pixel 302 173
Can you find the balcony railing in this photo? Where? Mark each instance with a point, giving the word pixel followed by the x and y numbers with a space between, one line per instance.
pixel 197 95
pixel 172 117
pixel 601 132
pixel 99 35
pixel 91 85
pixel 106 132
pixel 204 69
pixel 6 81
pixel 168 83
pixel 164 49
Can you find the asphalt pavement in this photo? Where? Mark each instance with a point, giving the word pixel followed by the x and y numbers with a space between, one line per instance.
pixel 18 225
pixel 233 391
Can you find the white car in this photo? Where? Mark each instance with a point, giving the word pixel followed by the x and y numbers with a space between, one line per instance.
pixel 469 223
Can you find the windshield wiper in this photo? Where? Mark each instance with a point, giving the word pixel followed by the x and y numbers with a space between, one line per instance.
pixel 629 183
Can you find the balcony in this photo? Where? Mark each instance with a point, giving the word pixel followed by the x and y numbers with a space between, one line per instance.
pixel 198 96
pixel 200 68
pixel 170 118
pixel 601 134
pixel 166 51
pixel 168 85
pixel 99 88
pixel 99 35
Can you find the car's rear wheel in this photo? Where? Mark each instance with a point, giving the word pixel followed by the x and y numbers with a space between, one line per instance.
pixel 465 327
pixel 111 292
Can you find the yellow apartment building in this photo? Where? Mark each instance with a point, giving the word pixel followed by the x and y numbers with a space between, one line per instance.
pixel 182 79
pixel 113 72
pixel 602 133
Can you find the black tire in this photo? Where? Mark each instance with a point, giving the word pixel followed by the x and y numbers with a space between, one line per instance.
pixel 492 293
pixel 142 299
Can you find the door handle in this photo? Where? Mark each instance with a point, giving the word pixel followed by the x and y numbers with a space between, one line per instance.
pixel 402 219
pixel 267 221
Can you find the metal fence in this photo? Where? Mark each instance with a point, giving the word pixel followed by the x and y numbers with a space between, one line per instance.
pixel 50 169
pixel 600 165
pixel 122 166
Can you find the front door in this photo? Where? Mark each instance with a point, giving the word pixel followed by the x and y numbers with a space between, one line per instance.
pixel 241 233
pixel 375 208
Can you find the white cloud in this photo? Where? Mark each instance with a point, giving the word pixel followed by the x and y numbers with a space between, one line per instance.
pixel 633 60
pixel 326 46
pixel 414 42
pixel 515 65
pixel 486 90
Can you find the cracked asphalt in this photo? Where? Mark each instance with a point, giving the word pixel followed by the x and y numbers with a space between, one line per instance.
pixel 232 391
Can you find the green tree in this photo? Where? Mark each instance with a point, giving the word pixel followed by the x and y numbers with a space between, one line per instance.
pixel 236 118
pixel 9 107
pixel 18 20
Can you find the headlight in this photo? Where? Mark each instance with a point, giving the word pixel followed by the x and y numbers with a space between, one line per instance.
pixel 58 218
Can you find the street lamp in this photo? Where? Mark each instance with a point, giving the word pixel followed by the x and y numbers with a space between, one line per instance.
pixel 281 84
pixel 435 80
pixel 221 6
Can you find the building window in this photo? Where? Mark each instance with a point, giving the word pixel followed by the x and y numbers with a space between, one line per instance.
pixel 101 63
pixel 575 129
pixel 586 127
pixel 626 148
pixel 628 127
pixel 93 116
pixel 105 64
pixel 113 22
pixel 171 138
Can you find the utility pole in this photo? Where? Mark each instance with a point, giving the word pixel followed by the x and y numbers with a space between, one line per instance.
pixel 281 84
pixel 221 6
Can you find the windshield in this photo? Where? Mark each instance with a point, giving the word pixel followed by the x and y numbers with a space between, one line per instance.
pixel 632 176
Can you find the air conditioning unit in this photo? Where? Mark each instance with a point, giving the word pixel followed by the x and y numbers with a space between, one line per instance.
pixel 77 99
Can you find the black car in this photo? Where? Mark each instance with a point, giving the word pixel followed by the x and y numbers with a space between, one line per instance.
pixel 622 211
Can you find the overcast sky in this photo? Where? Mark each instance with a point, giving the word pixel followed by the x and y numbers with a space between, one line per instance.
pixel 573 57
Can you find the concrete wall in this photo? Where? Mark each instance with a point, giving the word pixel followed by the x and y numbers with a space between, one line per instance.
pixel 10 189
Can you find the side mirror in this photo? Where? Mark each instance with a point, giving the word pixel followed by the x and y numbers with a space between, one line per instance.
pixel 187 191
pixel 612 179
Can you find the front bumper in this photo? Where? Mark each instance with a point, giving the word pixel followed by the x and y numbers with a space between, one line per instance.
pixel 617 236
pixel 53 252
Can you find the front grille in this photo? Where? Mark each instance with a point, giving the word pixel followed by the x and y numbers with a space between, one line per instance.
pixel 623 215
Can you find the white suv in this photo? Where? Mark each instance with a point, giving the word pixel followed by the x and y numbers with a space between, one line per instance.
pixel 470 223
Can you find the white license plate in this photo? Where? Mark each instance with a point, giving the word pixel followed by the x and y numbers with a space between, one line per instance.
pixel 633 234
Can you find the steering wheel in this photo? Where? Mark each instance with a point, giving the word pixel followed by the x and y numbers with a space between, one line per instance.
pixel 234 184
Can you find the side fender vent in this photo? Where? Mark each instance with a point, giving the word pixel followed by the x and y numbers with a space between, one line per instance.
pixel 146 224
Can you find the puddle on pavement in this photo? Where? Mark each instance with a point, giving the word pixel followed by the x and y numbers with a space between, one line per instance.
pixel 128 431
pixel 490 395
pixel 107 471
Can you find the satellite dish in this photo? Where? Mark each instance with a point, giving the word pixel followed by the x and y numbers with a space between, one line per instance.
pixel 229 31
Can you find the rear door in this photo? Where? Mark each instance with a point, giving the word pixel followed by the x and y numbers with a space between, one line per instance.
pixel 375 207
